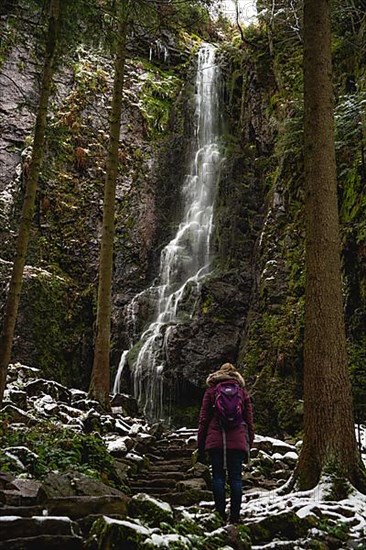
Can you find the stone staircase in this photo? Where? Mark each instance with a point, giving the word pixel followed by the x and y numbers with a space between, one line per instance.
pixel 23 525
pixel 59 523
pixel 170 474
pixel 31 519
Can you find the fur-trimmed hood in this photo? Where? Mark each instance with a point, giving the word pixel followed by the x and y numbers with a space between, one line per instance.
pixel 225 373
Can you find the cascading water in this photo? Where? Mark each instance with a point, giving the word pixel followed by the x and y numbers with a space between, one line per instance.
pixel 186 259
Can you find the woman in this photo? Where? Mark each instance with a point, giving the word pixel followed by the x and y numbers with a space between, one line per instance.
pixel 227 447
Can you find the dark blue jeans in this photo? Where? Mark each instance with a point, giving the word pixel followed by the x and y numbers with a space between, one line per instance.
pixel 235 461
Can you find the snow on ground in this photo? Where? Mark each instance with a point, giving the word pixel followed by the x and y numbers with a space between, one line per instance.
pixel 258 503
pixel 352 510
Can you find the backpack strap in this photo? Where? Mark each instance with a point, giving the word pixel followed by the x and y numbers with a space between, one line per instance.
pixel 224 448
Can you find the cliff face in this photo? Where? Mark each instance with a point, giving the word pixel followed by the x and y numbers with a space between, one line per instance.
pixel 55 324
pixel 271 347
pixel 250 308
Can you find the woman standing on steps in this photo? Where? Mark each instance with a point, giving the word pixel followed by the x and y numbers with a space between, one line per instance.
pixel 226 431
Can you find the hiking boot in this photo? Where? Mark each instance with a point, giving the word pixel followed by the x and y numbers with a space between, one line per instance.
pixel 233 520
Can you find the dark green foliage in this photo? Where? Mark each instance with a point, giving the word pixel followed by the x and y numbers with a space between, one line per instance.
pixel 357 359
pixel 56 316
pixel 158 92
pixel 187 526
pixel 57 449
pixel 338 530
pixel 178 16
pixel 185 415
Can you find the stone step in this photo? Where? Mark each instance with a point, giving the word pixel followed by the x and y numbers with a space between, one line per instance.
pixel 23 511
pixel 15 527
pixel 154 457
pixel 153 491
pixel 157 475
pixel 178 463
pixel 174 436
pixel 161 472
pixel 76 507
pixel 14 497
pixel 44 542
pixel 174 455
pixel 158 482
pixel 178 498
pixel 163 450
pixel 169 470
pixel 184 442
pixel 177 456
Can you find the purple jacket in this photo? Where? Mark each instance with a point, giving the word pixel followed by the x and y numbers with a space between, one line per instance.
pixel 210 431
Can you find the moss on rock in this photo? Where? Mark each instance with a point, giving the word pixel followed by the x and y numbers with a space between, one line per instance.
pixel 110 533
pixel 55 327
pixel 152 511
pixel 287 524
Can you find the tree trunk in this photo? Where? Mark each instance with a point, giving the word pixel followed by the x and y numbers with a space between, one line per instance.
pixel 100 380
pixel 15 285
pixel 329 433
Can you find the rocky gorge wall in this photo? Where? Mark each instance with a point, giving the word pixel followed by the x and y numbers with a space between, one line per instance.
pixel 57 310
pixel 250 308
pixel 271 347
pixel 55 325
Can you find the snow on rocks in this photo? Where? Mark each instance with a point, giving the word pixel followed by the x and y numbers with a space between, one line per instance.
pixel 361 439
pixel 272 519
pixel 152 510
pixel 286 515
pixel 271 464
pixel 119 446
pixel 51 402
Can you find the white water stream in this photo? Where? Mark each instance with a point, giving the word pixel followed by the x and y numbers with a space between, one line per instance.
pixel 186 258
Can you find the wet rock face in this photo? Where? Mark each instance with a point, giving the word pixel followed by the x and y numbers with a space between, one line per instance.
pixel 53 328
pixel 196 349
pixel 17 82
pixel 66 230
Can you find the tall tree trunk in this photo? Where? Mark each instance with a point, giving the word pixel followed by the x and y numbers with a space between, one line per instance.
pixel 100 380
pixel 13 298
pixel 329 433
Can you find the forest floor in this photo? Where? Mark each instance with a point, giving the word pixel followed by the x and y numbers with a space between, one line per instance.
pixel 62 457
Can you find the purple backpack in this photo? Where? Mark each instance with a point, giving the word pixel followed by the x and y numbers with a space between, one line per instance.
pixel 229 404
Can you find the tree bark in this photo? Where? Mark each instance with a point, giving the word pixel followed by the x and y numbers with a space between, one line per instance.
pixel 329 432
pixel 15 285
pixel 100 379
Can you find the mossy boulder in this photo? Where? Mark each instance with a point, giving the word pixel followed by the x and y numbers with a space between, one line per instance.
pixel 187 526
pixel 151 510
pixel 121 534
pixel 287 525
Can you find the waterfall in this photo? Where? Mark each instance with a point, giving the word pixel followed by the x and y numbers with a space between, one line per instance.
pixel 185 260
